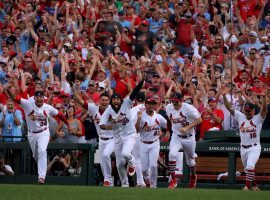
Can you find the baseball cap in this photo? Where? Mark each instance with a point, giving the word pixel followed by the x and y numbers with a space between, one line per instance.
pixel 11 40
pixel 253 33
pixel 188 15
pixel 92 82
pixel 249 106
pixel 39 93
pixel 177 96
pixel 46 53
pixel 63 94
pixel 67 44
pixel 140 96
pixel 150 100
pixel 101 85
pixel 121 13
pixel 102 70
pixel 43 29
pixel 224 5
pixel 115 95
pixel 71 61
pixel 145 23
pixel 212 100
pixel 156 75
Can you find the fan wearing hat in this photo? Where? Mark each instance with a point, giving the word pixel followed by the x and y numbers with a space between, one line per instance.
pixel 140 99
pixel 118 118
pixel 212 117
pixel 37 114
pixel 184 118
pixel 253 42
pixel 250 126
pixel 143 37
pixel 149 124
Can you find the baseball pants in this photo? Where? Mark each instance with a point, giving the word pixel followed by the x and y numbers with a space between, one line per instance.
pixel 136 153
pixel 149 159
pixel 38 143
pixel 187 144
pixel 106 148
pixel 122 149
pixel 250 156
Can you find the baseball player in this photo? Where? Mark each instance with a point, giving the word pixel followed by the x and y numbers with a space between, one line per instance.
pixel 140 98
pixel 118 118
pixel 250 126
pixel 183 117
pixel 148 125
pixel 36 114
pixel 106 144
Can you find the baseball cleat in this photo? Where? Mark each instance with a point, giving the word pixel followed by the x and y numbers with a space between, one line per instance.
pixel 131 170
pixel 245 188
pixel 255 188
pixel 147 183
pixel 172 184
pixel 107 184
pixel 141 186
pixel 193 183
pixel 41 181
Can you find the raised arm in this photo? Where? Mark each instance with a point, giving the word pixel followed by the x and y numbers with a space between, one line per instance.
pixel 228 104
pixel 136 90
pixel 263 106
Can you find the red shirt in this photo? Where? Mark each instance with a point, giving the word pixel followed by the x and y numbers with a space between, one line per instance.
pixel 184 33
pixel 121 85
pixel 248 7
pixel 208 122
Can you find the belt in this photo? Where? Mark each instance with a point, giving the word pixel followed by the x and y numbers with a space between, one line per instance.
pixel 185 136
pixel 149 142
pixel 106 138
pixel 39 131
pixel 248 146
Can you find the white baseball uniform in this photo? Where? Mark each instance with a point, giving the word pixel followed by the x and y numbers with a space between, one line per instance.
pixel 136 148
pixel 150 145
pixel 250 131
pixel 179 119
pixel 106 144
pixel 124 133
pixel 38 131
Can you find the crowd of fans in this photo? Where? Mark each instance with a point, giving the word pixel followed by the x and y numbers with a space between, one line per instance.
pixel 196 47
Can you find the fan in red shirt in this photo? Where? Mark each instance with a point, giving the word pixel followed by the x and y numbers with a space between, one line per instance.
pixel 245 8
pixel 212 117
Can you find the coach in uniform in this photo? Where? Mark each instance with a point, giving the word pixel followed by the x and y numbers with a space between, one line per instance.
pixel 250 126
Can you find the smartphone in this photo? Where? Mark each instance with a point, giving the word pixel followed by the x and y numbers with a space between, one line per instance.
pixel 56 93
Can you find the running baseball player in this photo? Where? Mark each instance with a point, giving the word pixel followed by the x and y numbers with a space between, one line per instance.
pixel 140 98
pixel 106 144
pixel 149 125
pixel 36 114
pixel 183 117
pixel 250 126
pixel 118 118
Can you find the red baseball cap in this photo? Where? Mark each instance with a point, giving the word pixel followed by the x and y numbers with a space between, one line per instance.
pixel 145 23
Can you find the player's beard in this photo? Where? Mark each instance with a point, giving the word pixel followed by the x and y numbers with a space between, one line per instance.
pixel 116 107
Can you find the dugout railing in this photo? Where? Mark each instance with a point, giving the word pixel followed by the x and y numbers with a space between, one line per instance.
pixel 24 165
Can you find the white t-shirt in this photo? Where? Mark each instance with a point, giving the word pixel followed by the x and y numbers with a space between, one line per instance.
pixel 250 130
pixel 182 117
pixel 95 115
pixel 124 125
pixel 150 126
pixel 37 117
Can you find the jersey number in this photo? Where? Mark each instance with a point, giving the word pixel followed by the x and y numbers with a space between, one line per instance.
pixel 253 135
pixel 43 123
pixel 156 133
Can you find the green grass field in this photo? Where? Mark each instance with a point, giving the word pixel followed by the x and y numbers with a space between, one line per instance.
pixel 51 192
